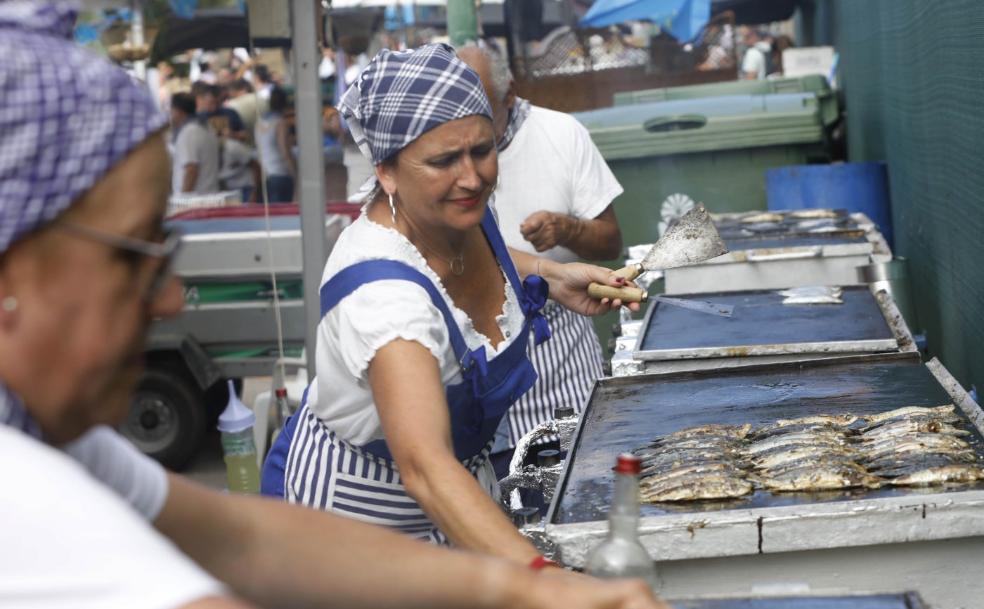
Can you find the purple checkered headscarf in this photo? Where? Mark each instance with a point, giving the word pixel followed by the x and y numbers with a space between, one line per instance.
pixel 400 96
pixel 67 116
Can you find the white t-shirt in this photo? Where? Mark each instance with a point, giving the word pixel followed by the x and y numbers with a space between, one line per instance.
pixel 196 144
pixel 236 157
pixel 755 59
pixel 551 165
pixel 377 314
pixel 68 542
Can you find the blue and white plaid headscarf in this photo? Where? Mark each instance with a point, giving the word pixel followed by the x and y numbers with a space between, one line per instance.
pixel 67 116
pixel 400 96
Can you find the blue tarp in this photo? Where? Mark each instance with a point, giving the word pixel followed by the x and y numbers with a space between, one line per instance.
pixel 682 18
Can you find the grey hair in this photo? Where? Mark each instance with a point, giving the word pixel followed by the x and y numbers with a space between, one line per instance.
pixel 502 76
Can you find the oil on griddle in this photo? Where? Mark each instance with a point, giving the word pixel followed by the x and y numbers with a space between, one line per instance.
pixel 626 413
pixel 908 446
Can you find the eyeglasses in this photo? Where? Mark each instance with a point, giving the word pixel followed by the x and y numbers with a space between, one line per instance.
pixel 165 250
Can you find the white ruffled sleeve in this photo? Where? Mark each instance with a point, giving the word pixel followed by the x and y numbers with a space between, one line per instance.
pixel 383 311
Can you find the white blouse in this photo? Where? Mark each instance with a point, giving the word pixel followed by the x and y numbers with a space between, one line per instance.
pixel 374 315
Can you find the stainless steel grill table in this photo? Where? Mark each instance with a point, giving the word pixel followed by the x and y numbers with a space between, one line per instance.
pixel 783 255
pixel 762 329
pixel 847 541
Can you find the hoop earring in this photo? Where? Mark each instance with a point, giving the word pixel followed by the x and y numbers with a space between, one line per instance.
pixel 392 207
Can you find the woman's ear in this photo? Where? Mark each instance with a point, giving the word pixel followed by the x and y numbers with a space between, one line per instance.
pixel 386 174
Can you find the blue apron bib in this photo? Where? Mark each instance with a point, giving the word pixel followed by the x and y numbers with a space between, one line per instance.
pixel 309 464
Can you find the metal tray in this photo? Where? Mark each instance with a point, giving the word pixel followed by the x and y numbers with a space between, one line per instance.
pixel 623 413
pixel 909 600
pixel 763 325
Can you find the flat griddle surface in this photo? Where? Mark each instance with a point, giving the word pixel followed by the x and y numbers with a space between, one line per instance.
pixel 776 242
pixel 625 413
pixel 881 601
pixel 760 318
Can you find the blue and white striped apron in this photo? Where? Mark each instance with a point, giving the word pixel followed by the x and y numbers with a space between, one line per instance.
pixel 309 464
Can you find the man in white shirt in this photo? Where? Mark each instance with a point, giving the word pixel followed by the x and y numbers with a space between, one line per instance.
pixel 195 168
pixel 755 63
pixel 554 198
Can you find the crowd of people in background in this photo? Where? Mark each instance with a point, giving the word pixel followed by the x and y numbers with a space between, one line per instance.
pixel 232 130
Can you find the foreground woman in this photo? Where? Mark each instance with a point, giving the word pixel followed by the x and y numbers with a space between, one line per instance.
pixel 425 320
pixel 84 178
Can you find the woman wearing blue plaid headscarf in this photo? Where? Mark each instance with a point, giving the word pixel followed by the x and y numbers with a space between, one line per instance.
pixel 84 180
pixel 425 320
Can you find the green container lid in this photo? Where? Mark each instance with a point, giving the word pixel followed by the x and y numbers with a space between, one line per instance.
pixel 815 84
pixel 704 125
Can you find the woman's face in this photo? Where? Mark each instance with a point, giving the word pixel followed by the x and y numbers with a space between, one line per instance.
pixel 84 306
pixel 444 177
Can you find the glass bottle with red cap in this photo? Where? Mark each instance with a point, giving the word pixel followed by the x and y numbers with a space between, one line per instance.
pixel 621 554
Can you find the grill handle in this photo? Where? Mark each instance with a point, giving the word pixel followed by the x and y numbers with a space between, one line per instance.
pixel 813 252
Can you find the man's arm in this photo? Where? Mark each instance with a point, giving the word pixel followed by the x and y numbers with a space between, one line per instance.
pixel 596 239
pixel 190 177
pixel 280 555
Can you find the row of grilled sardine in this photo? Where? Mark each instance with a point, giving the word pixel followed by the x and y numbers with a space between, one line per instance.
pixel 911 446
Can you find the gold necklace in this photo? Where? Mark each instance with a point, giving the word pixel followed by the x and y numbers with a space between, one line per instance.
pixel 456 264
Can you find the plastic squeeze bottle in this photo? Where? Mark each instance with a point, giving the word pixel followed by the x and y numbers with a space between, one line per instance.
pixel 239 449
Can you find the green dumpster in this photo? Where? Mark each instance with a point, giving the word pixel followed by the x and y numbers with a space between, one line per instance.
pixel 712 150
pixel 814 83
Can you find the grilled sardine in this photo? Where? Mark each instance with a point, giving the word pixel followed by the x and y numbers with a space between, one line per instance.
pixel 961 472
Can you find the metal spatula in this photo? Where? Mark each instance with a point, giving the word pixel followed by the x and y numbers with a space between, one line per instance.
pixel 693 239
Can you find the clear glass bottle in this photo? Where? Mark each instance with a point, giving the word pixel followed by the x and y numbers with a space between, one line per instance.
pixel 621 554
pixel 238 446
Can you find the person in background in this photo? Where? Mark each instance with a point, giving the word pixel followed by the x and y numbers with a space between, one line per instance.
pixel 275 145
pixel 779 45
pixel 755 63
pixel 85 519
pixel 223 122
pixel 195 151
pixel 718 43
pixel 262 81
pixel 247 105
pixel 240 170
pixel 554 199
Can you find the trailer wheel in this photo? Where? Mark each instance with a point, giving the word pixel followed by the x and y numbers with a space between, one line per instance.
pixel 167 417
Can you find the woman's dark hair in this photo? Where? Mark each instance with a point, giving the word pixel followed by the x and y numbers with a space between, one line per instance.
pixel 185 102
pixel 278 100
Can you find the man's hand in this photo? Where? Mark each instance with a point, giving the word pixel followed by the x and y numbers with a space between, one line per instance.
pixel 546 230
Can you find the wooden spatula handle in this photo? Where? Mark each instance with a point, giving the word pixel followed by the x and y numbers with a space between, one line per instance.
pixel 596 290
pixel 629 272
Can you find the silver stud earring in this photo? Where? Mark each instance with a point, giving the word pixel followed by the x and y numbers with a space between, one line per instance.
pixel 392 208
pixel 9 304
